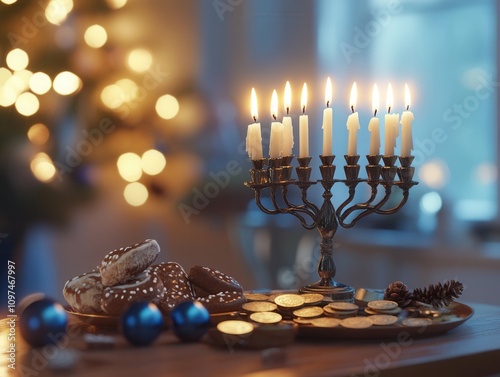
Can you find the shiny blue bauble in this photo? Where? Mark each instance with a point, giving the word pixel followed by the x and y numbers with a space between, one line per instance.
pixel 43 322
pixel 141 323
pixel 190 321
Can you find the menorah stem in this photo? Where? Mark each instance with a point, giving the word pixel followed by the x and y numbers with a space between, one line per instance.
pixel 327 225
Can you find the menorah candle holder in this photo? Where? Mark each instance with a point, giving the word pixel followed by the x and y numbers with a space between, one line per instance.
pixel 274 175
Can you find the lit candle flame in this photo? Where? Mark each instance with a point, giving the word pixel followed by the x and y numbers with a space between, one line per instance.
pixel 288 97
pixel 354 96
pixel 274 105
pixel 390 98
pixel 328 92
pixel 407 97
pixel 253 105
pixel 303 98
pixel 375 100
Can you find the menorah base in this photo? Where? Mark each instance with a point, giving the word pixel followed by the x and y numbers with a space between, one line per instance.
pixel 336 291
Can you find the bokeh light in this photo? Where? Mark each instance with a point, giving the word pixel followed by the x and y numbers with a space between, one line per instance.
pixel 38 134
pixel 57 11
pixel 139 60
pixel 66 83
pixel 17 84
pixel 8 96
pixel 17 59
pixel 5 74
pixel 116 4
pixel 434 174
pixel 27 104
pixel 129 88
pixel 95 36
pixel 431 203
pixel 130 166
pixel 112 96
pixel 167 106
pixel 40 83
pixel 153 162
pixel 42 167
pixel 8 2
pixel 136 194
pixel 25 77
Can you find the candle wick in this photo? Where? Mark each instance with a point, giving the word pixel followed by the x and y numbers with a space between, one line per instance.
pixel 274 117
pixel 254 119
pixel 389 110
pixel 375 113
pixel 407 107
pixel 287 110
pixel 303 109
pixel 327 103
pixel 352 109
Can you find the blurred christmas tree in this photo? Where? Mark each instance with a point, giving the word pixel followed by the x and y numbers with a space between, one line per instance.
pixel 82 98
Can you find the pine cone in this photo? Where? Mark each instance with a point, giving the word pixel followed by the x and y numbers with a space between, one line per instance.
pixel 439 294
pixel 398 292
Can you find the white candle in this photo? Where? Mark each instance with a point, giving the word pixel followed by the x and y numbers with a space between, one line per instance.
pixel 254 136
pixel 353 124
pixel 327 120
pixel 303 125
pixel 374 125
pixel 391 124
pixel 276 141
pixel 406 121
pixel 287 123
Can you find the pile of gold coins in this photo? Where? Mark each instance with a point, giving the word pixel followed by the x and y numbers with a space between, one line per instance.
pixel 313 309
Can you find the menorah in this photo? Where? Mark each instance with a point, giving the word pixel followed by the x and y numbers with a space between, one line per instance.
pixel 275 176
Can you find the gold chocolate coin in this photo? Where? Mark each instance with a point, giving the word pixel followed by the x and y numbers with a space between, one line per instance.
pixel 308 312
pixel 383 319
pixel 302 321
pixel 339 305
pixel 289 300
pixel 312 298
pixel 325 322
pixel 339 313
pixel 388 311
pixel 266 317
pixel 356 322
pixel 382 304
pixel 417 322
pixel 256 297
pixel 259 306
pixel 235 327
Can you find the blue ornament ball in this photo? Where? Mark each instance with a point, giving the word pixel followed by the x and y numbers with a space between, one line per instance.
pixel 141 323
pixel 43 322
pixel 190 321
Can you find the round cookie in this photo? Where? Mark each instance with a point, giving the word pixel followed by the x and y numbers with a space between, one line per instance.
pixel 212 281
pixel 123 264
pixel 144 287
pixel 83 293
pixel 221 302
pixel 176 286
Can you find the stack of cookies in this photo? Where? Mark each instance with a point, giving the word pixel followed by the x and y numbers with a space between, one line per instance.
pixel 127 275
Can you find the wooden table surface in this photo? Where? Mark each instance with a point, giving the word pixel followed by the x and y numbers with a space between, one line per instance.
pixel 472 349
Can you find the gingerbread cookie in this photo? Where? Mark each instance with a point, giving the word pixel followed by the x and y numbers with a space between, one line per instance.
pixel 144 287
pixel 176 286
pixel 121 265
pixel 223 301
pixel 210 281
pixel 83 293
